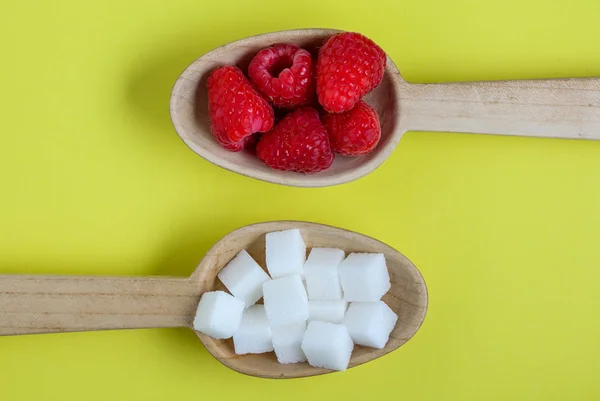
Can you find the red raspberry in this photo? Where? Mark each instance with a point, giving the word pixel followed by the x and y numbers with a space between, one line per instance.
pixel 284 74
pixel 246 142
pixel 355 132
pixel 349 66
pixel 299 142
pixel 236 110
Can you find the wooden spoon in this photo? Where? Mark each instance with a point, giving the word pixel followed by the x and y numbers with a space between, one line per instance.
pixel 557 108
pixel 46 304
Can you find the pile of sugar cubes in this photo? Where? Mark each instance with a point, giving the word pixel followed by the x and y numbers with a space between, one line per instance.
pixel 314 310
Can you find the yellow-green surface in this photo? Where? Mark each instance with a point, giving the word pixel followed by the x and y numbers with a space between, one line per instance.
pixel 94 180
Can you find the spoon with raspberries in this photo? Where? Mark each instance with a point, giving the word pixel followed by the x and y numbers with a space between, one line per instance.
pixel 320 107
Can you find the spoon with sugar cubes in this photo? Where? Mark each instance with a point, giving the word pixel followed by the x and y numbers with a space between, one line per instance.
pixel 281 299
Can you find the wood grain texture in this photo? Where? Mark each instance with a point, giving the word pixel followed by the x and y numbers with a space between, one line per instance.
pixel 46 304
pixel 556 108
pixel 43 304
pixel 560 108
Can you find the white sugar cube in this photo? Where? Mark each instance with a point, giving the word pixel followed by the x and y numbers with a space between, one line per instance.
pixel 244 278
pixel 327 311
pixel 364 277
pixel 218 314
pixel 370 323
pixel 285 253
pixel 321 273
pixel 327 345
pixel 285 300
pixel 254 334
pixel 287 341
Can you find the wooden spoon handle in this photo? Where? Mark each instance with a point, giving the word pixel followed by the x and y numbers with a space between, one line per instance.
pixel 47 304
pixel 555 108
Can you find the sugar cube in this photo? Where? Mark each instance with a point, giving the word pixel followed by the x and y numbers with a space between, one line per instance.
pixel 364 277
pixel 254 334
pixel 244 278
pixel 285 300
pixel 327 311
pixel 218 314
pixel 287 341
pixel 327 345
pixel 321 273
pixel 285 253
pixel 370 323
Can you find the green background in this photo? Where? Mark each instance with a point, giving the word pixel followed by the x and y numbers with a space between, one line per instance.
pixel 94 180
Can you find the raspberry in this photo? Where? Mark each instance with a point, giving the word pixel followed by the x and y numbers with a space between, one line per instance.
pixel 235 108
pixel 245 143
pixel 283 73
pixel 349 66
pixel 299 142
pixel 355 132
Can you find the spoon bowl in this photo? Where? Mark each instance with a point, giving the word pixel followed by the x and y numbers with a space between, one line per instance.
pixel 55 304
pixel 189 113
pixel 407 296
